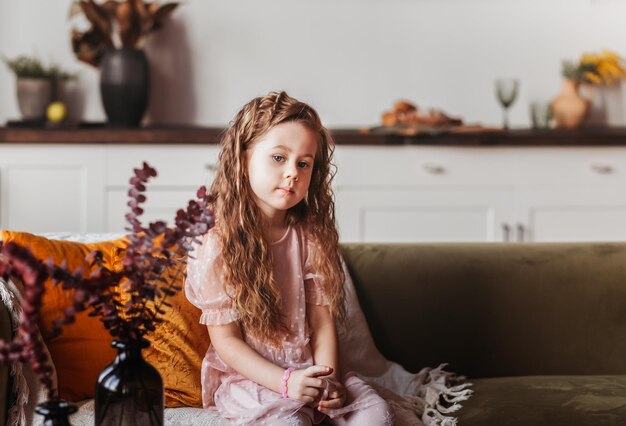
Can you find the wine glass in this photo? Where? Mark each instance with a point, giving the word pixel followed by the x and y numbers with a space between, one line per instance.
pixel 506 92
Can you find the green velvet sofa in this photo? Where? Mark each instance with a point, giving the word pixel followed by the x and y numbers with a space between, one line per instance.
pixel 540 329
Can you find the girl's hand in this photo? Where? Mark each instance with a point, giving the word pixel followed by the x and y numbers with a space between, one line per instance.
pixel 336 395
pixel 305 385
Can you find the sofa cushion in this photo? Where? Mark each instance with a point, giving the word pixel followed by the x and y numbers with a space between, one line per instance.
pixel 546 400
pixel 177 345
pixel 496 310
pixel 183 416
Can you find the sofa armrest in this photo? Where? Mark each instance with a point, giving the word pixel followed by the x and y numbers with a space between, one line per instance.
pixel 5 334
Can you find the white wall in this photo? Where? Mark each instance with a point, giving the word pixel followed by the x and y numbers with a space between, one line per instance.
pixel 349 58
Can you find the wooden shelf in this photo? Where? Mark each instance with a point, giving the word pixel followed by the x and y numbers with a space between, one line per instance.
pixel 156 135
pixel 211 135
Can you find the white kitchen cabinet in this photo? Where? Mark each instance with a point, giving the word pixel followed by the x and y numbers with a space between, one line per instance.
pixel 444 194
pixel 405 193
pixel 572 213
pixel 49 188
pixel 410 193
pixel 70 188
pixel 181 169
pixel 415 215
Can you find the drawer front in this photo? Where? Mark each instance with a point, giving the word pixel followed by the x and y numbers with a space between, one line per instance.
pixel 51 188
pixel 176 165
pixel 412 215
pixel 403 166
pixel 570 165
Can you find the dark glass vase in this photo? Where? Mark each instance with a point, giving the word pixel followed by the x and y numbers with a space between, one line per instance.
pixel 56 412
pixel 129 391
pixel 124 86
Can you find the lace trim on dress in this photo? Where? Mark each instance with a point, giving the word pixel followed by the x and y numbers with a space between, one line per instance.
pixel 313 292
pixel 315 296
pixel 218 316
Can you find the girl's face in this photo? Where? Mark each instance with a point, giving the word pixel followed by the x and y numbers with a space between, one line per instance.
pixel 279 167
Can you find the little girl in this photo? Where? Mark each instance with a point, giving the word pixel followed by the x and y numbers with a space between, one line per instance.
pixel 268 277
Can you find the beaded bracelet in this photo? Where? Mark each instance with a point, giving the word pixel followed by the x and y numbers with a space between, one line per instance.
pixel 283 383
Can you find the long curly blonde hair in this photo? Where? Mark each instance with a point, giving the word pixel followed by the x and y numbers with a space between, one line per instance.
pixel 246 255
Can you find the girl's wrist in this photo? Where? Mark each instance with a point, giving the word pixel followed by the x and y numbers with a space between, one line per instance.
pixel 334 375
pixel 284 383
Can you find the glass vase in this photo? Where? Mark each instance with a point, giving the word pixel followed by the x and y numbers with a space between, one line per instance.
pixel 55 412
pixel 129 391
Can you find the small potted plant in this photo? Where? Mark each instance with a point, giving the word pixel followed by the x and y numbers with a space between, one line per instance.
pixel 36 85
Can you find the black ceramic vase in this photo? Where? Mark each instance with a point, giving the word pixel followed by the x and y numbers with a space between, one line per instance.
pixel 124 86
pixel 129 390
pixel 55 412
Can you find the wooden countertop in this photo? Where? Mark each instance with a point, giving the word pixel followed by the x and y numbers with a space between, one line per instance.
pixel 210 135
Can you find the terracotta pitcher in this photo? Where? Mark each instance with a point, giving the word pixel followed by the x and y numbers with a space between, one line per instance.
pixel 569 108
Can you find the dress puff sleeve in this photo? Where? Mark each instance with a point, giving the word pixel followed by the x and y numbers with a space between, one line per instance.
pixel 314 291
pixel 204 285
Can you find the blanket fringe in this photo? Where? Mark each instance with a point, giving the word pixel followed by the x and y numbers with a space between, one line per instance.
pixel 434 394
pixel 443 396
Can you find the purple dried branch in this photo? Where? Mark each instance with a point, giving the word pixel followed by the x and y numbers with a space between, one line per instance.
pixel 145 274
pixel 27 346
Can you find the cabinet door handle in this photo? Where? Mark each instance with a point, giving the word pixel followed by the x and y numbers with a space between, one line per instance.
pixel 506 232
pixel 210 167
pixel 435 169
pixel 602 168
pixel 521 231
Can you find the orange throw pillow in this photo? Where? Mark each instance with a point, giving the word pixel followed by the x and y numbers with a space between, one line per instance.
pixel 82 351
pixel 84 347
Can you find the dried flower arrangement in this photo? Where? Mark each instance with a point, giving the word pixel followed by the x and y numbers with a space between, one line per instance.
pixel 146 279
pixel 115 24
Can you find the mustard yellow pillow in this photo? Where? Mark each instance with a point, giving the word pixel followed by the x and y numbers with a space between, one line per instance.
pixel 178 345
pixel 84 348
pixel 177 348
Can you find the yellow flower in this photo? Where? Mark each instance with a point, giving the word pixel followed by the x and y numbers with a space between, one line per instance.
pixel 610 55
pixel 610 72
pixel 592 78
pixel 603 68
pixel 590 59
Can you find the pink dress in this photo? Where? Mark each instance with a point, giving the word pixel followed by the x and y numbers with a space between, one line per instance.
pixel 238 399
